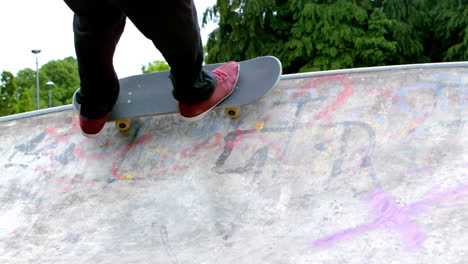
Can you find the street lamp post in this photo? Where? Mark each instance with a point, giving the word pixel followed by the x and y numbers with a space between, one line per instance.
pixel 50 85
pixel 37 51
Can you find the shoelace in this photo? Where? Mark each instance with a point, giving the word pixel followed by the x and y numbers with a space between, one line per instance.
pixel 220 74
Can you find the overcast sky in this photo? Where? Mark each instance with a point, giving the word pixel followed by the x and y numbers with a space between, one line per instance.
pixel 47 25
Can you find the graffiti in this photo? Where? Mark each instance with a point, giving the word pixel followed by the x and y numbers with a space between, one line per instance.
pixel 122 155
pixel 69 182
pixel 211 137
pixel 389 215
pixel 339 137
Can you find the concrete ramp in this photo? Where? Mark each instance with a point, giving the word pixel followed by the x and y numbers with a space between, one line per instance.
pixel 359 166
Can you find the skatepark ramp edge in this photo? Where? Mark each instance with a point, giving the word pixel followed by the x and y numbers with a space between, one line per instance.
pixel 283 77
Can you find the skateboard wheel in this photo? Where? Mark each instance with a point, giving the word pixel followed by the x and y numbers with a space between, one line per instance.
pixel 123 124
pixel 232 112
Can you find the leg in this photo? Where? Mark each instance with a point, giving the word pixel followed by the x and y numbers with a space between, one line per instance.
pixel 173 28
pixel 97 26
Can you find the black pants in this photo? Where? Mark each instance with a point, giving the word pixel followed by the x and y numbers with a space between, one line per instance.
pixel 172 25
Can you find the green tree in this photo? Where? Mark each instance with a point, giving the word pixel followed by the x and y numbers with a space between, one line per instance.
pixel 340 34
pixel 305 35
pixel 309 35
pixel 64 74
pixel 450 24
pixel 246 29
pixel 25 103
pixel 8 94
pixel 26 81
pixel 411 26
pixel 155 66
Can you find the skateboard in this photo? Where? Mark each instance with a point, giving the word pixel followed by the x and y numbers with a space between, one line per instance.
pixel 150 94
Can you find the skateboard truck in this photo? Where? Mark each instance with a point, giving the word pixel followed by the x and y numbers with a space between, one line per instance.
pixel 231 112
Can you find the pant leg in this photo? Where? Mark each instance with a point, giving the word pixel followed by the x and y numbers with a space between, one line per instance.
pixel 173 28
pixel 97 26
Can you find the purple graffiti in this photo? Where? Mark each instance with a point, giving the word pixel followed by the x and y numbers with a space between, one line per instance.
pixel 389 215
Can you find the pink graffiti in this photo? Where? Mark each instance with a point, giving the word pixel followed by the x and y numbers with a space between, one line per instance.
pixel 325 113
pixel 389 215
pixel 408 129
pixel 115 164
pixel 68 182
pixel 339 101
pixel 163 172
pixel 52 131
pixel 275 148
pixel 81 153
pixel 215 141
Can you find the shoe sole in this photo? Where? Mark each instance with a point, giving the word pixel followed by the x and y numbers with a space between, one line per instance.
pixel 91 135
pixel 202 115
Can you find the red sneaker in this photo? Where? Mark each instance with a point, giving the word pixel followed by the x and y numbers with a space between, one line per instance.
pixel 226 76
pixel 92 128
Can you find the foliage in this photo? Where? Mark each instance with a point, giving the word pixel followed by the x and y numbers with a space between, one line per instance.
pixel 309 35
pixel 64 75
pixel 340 35
pixel 451 29
pixel 8 94
pixel 410 25
pixel 246 29
pixel 20 92
pixel 155 66
pixel 13 99
pixel 26 81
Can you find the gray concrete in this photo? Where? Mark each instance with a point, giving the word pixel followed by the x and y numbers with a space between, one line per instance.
pixel 363 167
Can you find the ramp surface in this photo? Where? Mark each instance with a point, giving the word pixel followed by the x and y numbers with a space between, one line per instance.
pixel 363 167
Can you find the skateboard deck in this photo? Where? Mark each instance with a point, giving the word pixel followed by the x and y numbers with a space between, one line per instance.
pixel 151 94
